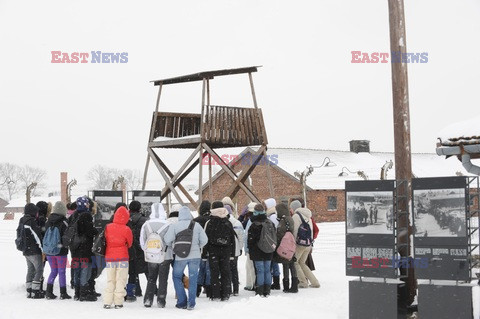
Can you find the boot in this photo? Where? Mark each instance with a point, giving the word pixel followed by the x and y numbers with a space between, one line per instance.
pixel 276 283
pixel 235 289
pixel 76 296
pixel 92 289
pixel 63 293
pixel 286 285
pixel 49 294
pixel 130 297
pixel 260 290
pixel 86 294
pixel 266 290
pixel 148 301
pixel 294 287
pixel 208 290
pixel 37 294
pixel 161 302
pixel 29 292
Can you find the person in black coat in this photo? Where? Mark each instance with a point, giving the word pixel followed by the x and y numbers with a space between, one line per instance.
pixel 137 264
pixel 82 252
pixel 204 271
pixel 58 262
pixel 261 260
pixel 220 249
pixel 32 250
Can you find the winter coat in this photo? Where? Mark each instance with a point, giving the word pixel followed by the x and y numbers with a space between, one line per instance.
pixel 199 237
pixel 33 235
pixel 238 228
pixel 59 221
pixel 84 228
pixel 219 225
pixel 118 237
pixel 254 233
pixel 307 217
pixel 136 252
pixel 285 224
pixel 156 221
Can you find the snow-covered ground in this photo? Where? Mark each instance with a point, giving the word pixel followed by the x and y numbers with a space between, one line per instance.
pixel 329 301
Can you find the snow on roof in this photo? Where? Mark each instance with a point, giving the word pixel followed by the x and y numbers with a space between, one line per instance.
pixel 326 177
pixel 21 201
pixel 466 132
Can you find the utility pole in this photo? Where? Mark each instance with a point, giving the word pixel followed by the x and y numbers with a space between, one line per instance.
pixel 401 124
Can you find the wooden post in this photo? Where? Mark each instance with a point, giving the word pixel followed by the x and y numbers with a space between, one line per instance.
pixel 200 176
pixel 152 133
pixel 253 90
pixel 63 187
pixel 210 191
pixel 401 119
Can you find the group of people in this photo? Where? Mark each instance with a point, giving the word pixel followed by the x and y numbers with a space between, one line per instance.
pixel 269 234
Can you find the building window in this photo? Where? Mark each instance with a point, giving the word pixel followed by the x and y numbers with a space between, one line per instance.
pixel 332 203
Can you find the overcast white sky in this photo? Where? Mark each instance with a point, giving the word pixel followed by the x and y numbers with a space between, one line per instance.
pixel 69 117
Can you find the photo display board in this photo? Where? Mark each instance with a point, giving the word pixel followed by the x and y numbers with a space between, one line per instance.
pixel 147 198
pixel 439 209
pixel 106 202
pixel 370 228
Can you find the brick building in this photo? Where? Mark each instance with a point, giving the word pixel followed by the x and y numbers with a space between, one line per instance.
pixel 327 171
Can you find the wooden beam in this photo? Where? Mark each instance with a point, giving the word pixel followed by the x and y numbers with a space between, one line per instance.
pixel 230 172
pixel 250 77
pixel 258 155
pixel 210 191
pixel 202 117
pixel 176 141
pixel 269 175
pixel 156 161
pixel 200 175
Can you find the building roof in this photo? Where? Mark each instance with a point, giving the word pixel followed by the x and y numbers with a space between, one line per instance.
pixel 293 160
pixel 464 132
pixel 205 75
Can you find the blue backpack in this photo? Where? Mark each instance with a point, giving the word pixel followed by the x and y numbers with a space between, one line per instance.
pixel 52 241
pixel 304 234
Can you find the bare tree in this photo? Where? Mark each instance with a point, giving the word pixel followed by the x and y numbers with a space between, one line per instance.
pixel 133 178
pixel 9 179
pixel 29 175
pixel 101 176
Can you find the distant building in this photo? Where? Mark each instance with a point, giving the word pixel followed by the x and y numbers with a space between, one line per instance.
pixel 325 185
pixel 17 205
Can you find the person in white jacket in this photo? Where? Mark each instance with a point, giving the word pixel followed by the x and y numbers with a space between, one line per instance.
pixel 239 234
pixel 157 222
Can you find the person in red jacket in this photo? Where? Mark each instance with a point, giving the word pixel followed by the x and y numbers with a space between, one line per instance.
pixel 119 238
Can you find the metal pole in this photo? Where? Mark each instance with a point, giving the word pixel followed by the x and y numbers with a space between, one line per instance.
pixel 401 119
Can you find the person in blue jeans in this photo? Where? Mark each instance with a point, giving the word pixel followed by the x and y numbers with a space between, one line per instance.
pixel 199 239
pixel 261 260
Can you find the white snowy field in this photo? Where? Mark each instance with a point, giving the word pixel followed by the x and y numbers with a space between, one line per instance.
pixel 329 301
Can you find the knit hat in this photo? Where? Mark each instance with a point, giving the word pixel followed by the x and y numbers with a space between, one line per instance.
pixel 42 208
pixel 295 205
pixel 60 209
pixel 228 201
pixel 269 203
pixel 31 209
pixel 217 204
pixel 259 209
pixel 251 206
pixel 82 204
pixel 135 206
pixel 204 208
pixel 121 204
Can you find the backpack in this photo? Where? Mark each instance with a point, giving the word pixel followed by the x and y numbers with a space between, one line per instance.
pixel 220 232
pixel 21 239
pixel 68 235
pixel 52 241
pixel 154 248
pixel 99 244
pixel 183 241
pixel 268 237
pixel 304 233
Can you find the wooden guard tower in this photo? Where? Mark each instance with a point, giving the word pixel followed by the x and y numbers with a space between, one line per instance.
pixel 215 127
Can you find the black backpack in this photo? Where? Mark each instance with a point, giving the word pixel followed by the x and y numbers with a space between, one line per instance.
pixel 219 231
pixel 21 240
pixel 71 238
pixel 100 244
pixel 183 241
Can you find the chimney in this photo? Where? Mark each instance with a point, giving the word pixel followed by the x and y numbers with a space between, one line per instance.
pixel 360 146
pixel 63 186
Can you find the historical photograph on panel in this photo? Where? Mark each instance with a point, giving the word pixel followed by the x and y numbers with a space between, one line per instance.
pixel 439 212
pixel 106 206
pixel 370 212
pixel 147 202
